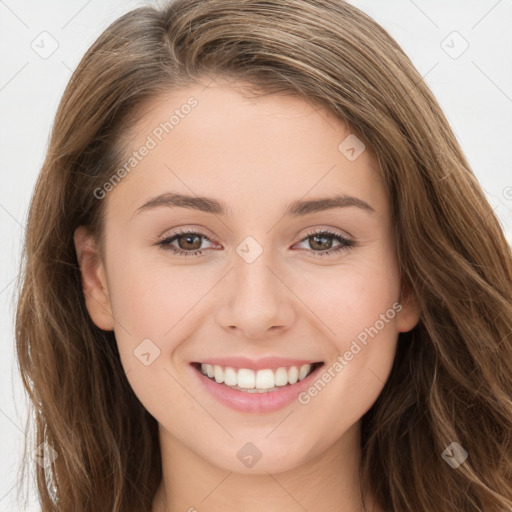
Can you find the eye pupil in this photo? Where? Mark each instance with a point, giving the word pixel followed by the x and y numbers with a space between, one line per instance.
pixel 322 246
pixel 188 238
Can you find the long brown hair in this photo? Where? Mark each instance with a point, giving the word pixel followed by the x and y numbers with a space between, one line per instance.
pixel 452 377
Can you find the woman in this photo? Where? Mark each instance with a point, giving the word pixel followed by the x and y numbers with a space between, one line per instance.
pixel 253 373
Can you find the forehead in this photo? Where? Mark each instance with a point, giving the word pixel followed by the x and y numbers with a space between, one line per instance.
pixel 220 140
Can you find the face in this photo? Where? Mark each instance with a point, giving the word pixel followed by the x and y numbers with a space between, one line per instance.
pixel 249 280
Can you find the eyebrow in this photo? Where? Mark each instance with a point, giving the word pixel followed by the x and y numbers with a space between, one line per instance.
pixel 294 209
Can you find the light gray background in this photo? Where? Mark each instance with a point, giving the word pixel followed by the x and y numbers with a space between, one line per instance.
pixel 474 89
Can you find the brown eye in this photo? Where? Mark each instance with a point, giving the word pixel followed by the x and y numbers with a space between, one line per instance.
pixel 184 243
pixel 321 243
pixel 189 242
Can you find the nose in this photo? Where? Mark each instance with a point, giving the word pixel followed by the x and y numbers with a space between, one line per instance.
pixel 256 300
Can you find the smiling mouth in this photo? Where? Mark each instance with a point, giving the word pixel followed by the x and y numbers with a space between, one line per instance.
pixel 256 381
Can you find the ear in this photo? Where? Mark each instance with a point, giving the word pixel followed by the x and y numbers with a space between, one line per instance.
pixel 409 315
pixel 94 282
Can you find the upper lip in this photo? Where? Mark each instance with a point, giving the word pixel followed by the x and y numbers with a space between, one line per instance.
pixel 259 364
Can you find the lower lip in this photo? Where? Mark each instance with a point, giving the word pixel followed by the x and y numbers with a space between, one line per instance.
pixel 256 402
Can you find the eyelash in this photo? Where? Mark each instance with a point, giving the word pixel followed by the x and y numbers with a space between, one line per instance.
pixel 345 243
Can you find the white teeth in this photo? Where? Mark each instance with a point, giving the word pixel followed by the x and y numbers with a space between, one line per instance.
pixel 293 375
pixel 230 378
pixel 304 370
pixel 246 379
pixel 281 377
pixel 264 379
pixel 218 373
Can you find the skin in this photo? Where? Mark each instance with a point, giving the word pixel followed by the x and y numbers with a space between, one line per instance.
pixel 257 156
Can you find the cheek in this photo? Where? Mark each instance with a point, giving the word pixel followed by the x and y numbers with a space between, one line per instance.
pixel 351 380
pixel 358 309
pixel 148 297
pixel 150 304
pixel 348 298
pixel 156 306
